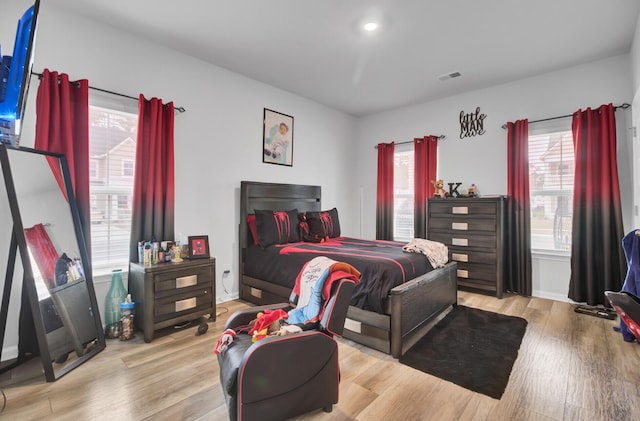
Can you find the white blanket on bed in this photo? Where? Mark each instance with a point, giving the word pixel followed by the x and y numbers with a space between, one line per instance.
pixel 437 253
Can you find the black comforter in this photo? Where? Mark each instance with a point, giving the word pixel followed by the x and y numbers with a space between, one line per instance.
pixel 383 265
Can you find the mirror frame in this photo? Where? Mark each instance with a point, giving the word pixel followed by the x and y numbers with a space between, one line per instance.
pixel 18 243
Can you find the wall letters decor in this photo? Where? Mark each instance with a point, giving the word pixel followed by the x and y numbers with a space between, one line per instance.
pixel 472 124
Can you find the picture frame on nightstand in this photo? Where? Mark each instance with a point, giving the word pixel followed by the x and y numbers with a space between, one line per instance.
pixel 199 247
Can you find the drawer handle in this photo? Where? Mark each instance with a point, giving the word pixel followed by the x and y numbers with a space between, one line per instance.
pixel 460 242
pixel 458 257
pixel 459 226
pixel 187 281
pixel 462 273
pixel 255 292
pixel 353 325
pixel 185 304
pixel 460 210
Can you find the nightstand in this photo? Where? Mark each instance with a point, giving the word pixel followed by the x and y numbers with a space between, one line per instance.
pixel 171 293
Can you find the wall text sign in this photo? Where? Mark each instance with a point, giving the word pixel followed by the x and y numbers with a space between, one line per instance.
pixel 472 124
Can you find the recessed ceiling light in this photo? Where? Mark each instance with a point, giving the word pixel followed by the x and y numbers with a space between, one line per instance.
pixel 370 26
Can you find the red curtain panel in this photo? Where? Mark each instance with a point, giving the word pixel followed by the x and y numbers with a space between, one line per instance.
pixel 425 165
pixel 518 209
pixel 597 258
pixel 62 126
pixel 384 198
pixel 153 191
pixel 43 251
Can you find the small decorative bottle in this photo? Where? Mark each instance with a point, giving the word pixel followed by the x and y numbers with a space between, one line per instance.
pixel 115 296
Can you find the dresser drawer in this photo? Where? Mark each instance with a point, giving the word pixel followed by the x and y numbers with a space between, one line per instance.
pixel 463 224
pixel 465 239
pixel 462 255
pixel 452 207
pixel 178 280
pixel 478 271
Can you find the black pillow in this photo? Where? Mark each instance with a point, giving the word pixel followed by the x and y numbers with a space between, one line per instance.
pixel 325 223
pixel 305 230
pixel 277 227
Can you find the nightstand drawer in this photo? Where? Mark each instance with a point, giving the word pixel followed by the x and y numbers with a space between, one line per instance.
pixel 174 305
pixel 180 279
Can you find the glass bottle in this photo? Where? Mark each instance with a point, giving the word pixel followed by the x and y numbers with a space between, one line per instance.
pixel 115 296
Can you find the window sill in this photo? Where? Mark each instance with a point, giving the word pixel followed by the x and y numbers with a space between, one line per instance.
pixel 102 275
pixel 551 254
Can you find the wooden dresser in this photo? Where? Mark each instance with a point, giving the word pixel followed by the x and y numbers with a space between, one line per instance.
pixel 474 231
pixel 167 294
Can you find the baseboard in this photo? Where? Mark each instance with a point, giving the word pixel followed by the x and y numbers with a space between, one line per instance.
pixel 10 353
pixel 550 296
pixel 231 297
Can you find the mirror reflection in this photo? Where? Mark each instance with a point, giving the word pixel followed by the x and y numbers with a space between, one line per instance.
pixel 65 297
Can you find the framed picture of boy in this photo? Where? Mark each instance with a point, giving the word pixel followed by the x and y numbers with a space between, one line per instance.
pixel 277 138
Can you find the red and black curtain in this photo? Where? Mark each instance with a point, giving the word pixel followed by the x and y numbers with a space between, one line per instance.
pixel 153 191
pixel 597 258
pixel 425 162
pixel 62 126
pixel 518 209
pixel 384 197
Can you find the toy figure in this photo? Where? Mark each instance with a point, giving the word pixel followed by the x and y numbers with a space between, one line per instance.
pixel 439 191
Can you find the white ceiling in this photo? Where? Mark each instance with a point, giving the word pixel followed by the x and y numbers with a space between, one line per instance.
pixel 316 49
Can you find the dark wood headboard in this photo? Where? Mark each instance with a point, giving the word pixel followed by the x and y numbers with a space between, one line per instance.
pixel 272 196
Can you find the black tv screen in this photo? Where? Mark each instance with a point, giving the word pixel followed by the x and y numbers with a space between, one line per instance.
pixel 15 73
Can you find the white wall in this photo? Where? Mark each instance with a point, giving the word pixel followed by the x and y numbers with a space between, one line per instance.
pixel 635 58
pixel 218 141
pixel 635 68
pixel 483 159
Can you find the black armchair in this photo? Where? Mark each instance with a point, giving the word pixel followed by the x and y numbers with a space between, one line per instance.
pixel 279 377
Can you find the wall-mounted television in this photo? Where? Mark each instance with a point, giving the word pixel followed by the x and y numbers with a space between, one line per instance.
pixel 15 73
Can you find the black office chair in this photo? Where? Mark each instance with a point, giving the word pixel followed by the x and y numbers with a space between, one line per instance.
pixel 279 377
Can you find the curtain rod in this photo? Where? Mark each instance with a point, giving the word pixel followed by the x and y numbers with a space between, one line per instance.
pixel 623 106
pixel 441 137
pixel 179 109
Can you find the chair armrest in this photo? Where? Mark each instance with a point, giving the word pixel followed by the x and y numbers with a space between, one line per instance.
pixel 244 316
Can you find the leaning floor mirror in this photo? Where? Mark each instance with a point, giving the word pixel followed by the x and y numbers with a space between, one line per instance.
pixel 49 304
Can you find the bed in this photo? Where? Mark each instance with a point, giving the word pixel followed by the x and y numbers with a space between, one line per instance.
pixel 391 325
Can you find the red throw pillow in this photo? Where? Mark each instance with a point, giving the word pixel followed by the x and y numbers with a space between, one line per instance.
pixel 251 222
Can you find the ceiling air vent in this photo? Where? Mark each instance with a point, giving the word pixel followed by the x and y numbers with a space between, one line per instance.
pixel 449 76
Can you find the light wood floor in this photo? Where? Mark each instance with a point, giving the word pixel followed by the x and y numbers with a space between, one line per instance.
pixel 570 367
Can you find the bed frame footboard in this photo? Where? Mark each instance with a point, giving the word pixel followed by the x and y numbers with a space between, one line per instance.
pixel 413 307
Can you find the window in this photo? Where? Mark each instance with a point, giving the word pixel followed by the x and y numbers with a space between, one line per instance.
pixel 403 192
pixel 93 168
pixel 112 148
pixel 551 165
pixel 127 167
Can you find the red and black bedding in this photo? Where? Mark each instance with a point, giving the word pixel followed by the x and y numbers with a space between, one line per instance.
pixel 382 264
pixel 277 255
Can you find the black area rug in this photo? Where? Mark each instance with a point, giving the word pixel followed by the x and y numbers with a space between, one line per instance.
pixel 472 348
